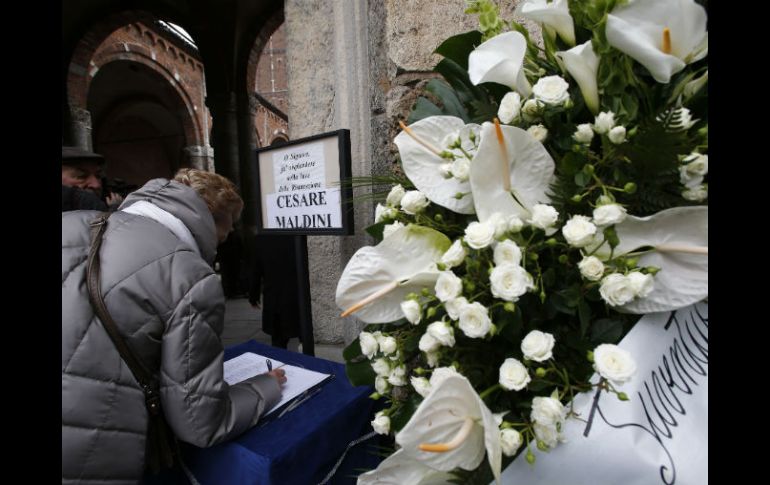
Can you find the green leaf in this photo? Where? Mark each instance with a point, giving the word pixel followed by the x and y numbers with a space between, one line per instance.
pixel 537 386
pixel 447 96
pixel 360 373
pixel 423 109
pixel 402 415
pixel 352 351
pixel 606 331
pixel 582 179
pixel 375 230
pixel 459 47
pixel 584 313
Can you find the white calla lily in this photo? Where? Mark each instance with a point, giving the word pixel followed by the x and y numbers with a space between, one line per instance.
pixel 500 60
pixel 554 17
pixel 662 35
pixel 402 469
pixel 420 147
pixel 509 154
pixel 582 63
pixel 679 237
pixel 452 427
pixel 377 278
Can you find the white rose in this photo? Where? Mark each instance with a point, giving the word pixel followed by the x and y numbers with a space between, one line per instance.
pixel 397 376
pixel 642 283
pixel 380 213
pixel 388 345
pixel 552 90
pixel 696 194
pixel 381 384
pixel 389 229
pixel 510 107
pixel 513 375
pixel 549 435
pixel 514 223
pixel 543 216
pixel 395 195
pixel 443 333
pixel 479 235
pixel 591 268
pixel 440 374
pixel 411 311
pixel 538 132
pixel 461 169
pixel 413 202
pixel 510 281
pixel 453 307
pixel 584 133
pixel 381 367
pixel 381 423
pixel 445 169
pixel 448 286
pixel 547 411
pixel 421 385
pixel 697 164
pixel 607 214
pixel 617 135
pixel 604 122
pixel 428 343
pixel 614 363
pixel 531 109
pixel 688 179
pixel 617 290
pixel 538 346
pixel 499 222
pixel 474 320
pixel 510 441
pixel 455 255
pixel 432 358
pixel 368 344
pixel 507 252
pixel 579 231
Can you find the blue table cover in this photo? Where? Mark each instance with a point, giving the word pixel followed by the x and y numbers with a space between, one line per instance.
pixel 303 445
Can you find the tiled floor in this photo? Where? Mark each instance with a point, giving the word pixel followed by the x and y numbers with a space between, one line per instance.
pixel 242 323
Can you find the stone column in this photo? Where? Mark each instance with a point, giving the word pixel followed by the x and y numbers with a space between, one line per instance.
pixel 201 157
pixel 81 128
pixel 223 109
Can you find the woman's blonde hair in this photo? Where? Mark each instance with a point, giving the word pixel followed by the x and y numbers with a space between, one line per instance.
pixel 220 194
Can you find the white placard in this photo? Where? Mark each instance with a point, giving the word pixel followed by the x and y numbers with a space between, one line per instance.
pixel 300 168
pixel 307 209
pixel 660 436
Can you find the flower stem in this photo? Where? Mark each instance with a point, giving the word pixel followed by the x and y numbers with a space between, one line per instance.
pixel 490 390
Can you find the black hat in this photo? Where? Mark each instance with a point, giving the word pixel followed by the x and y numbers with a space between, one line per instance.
pixel 75 155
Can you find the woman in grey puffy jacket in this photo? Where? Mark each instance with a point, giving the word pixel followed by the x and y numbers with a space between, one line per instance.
pixel 160 288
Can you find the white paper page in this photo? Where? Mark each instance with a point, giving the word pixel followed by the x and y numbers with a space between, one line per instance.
pixel 249 364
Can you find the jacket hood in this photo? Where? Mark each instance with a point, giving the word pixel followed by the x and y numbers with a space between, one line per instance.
pixel 184 203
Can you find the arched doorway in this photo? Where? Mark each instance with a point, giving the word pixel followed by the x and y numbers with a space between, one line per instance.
pixel 138 121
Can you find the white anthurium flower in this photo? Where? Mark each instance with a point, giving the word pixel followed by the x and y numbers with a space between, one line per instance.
pixel 401 469
pixel 452 428
pixel 500 60
pixel 389 229
pixel 582 63
pixel 679 237
pixel 553 15
pixel 420 146
pixel 511 173
pixel 377 278
pixel 662 35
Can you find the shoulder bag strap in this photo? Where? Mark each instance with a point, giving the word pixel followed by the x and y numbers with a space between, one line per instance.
pixel 93 281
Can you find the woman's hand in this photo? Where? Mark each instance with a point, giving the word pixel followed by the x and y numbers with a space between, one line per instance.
pixel 279 374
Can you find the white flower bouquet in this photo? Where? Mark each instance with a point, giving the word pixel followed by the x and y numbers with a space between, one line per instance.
pixel 552 195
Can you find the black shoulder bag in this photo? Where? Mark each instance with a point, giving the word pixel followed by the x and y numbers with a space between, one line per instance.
pixel 161 442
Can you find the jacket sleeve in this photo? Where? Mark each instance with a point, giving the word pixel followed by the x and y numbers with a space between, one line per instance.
pixel 199 405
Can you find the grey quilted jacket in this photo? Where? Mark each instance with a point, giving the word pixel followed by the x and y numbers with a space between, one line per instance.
pixel 168 303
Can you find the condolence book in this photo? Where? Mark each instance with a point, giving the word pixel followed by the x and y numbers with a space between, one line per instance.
pixel 300 384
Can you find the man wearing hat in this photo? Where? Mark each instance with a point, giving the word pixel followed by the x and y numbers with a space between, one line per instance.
pixel 81 180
